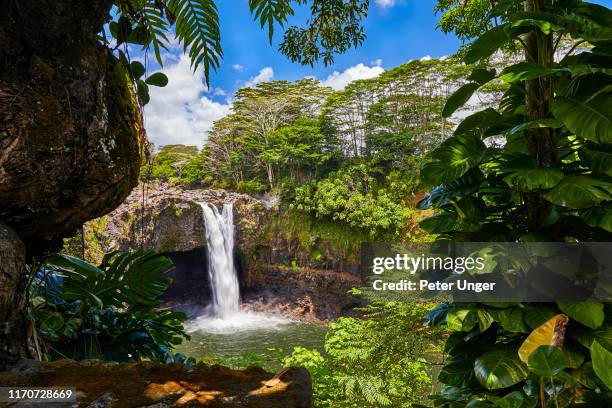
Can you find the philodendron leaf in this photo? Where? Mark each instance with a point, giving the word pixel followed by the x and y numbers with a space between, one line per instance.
pixel 577 191
pixel 528 179
pixel 547 361
pixel 597 157
pixel 489 42
pixel 602 363
pixel 589 121
pixel 459 98
pixel 541 336
pixel 591 314
pixel 499 368
pixel 540 123
pixel 598 217
pixel 453 158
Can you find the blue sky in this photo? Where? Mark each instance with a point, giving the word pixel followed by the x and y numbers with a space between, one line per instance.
pixel 397 31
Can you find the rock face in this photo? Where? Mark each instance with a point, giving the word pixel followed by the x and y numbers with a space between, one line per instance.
pixel 305 294
pixel 70 127
pixel 169 219
pixel 166 385
pixel 277 271
pixel 12 295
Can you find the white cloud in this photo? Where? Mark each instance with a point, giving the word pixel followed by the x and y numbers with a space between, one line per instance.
pixel 265 74
pixel 238 67
pixel 338 80
pixel 385 3
pixel 180 113
pixel 426 58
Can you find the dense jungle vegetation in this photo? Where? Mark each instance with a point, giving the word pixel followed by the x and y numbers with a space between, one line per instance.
pixel 528 159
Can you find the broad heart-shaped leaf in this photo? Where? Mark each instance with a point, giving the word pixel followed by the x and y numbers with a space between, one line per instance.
pixel 157 79
pixel 597 157
pixel 481 120
pixel 458 372
pixel 482 75
pixel 540 123
pixel 547 361
pixel 439 224
pixel 453 158
pixel 540 336
pixel 591 314
pixel 528 179
pixel 598 217
pixel 589 121
pixel 576 191
pixel 489 42
pixel 499 368
pixel 459 98
pixel 523 71
pixel 602 363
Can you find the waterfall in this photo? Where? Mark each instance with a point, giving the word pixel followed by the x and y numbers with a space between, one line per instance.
pixel 220 243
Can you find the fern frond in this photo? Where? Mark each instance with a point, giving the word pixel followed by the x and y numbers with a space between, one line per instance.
pixel 270 11
pixel 197 28
pixel 157 28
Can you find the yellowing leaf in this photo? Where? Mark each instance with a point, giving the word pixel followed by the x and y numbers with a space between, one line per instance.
pixel 540 336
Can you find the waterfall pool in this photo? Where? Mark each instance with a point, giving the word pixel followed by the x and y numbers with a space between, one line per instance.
pixel 249 339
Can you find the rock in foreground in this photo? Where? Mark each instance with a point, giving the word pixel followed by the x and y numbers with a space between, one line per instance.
pixel 157 385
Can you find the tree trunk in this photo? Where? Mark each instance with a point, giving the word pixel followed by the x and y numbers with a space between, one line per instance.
pixel 538 94
pixel 13 326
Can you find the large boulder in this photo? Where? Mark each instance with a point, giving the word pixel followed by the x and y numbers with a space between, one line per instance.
pixel 70 128
pixel 12 296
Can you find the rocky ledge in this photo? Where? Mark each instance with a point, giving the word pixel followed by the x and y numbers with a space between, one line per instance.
pixel 149 384
pixel 169 219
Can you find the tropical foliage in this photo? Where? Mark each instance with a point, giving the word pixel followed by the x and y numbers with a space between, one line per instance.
pixel 333 27
pixel 381 360
pixel 531 169
pixel 108 312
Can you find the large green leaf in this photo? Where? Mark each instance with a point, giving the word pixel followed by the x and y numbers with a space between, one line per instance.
pixel 459 98
pixel 597 157
pixel 479 120
pixel 439 224
pixel 527 179
pixel 489 42
pixel 589 121
pixel 591 314
pixel 453 158
pixel 598 217
pixel 524 71
pixel 499 368
pixel 602 363
pixel 540 123
pixel 459 372
pixel 547 361
pixel 576 191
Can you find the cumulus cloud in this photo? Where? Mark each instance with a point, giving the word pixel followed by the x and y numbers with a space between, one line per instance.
pixel 181 112
pixel 338 80
pixel 385 3
pixel 265 74
pixel 238 67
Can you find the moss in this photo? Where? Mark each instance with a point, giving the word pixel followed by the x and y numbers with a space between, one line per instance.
pixel 316 236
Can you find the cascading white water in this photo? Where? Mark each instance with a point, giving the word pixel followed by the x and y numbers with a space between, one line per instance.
pixel 220 243
pixel 226 316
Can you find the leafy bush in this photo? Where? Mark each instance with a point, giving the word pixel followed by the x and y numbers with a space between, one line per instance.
pixel 105 312
pixel 348 197
pixel 380 360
